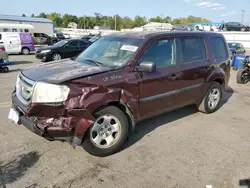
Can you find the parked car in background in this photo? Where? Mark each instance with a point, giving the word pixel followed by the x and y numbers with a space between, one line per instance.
pixel 44 39
pixel 236 48
pixel 180 27
pixel 86 37
pixel 215 27
pixel 233 26
pixel 207 27
pixel 60 36
pixel 195 27
pixel 94 39
pixel 121 79
pixel 3 54
pixel 62 49
pixel 16 43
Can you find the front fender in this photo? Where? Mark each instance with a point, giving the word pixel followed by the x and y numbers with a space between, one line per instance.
pixel 92 98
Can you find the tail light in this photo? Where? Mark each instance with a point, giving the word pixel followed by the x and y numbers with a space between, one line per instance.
pixel 2 48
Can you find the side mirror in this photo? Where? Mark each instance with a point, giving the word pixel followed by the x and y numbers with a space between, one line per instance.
pixel 146 66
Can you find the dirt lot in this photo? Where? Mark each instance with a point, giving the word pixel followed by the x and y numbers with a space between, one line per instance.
pixel 181 149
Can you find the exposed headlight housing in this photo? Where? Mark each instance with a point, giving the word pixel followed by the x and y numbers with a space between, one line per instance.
pixel 49 93
pixel 45 51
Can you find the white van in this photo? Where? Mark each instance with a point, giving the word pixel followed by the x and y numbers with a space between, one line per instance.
pixel 16 43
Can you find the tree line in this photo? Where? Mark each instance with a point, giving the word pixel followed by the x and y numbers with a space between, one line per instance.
pixel 110 22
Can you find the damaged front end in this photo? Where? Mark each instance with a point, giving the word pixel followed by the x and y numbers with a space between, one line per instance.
pixel 66 120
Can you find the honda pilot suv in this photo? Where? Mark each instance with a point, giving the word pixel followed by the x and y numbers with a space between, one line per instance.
pixel 96 100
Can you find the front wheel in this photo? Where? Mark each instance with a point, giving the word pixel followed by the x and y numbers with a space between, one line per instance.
pixel 242 76
pixel 212 99
pixel 56 57
pixel 108 133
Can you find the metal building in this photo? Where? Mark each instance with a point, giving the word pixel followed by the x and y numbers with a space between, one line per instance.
pixel 41 25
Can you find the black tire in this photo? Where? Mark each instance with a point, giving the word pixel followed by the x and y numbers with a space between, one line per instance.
pixel 241 79
pixel 6 69
pixel 92 148
pixel 25 51
pixel 204 105
pixel 56 57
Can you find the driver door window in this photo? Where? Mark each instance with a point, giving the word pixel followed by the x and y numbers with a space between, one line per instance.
pixel 160 52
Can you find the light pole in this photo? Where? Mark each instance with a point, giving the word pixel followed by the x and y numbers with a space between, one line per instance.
pixel 161 20
pixel 84 22
pixel 115 22
pixel 242 18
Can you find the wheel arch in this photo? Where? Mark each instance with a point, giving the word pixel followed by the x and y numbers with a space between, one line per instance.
pixel 124 108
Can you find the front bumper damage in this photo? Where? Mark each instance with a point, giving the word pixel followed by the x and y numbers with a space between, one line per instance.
pixel 57 124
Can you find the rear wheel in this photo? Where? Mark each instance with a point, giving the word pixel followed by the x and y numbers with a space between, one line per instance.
pixel 108 133
pixel 242 76
pixel 25 51
pixel 212 99
pixel 243 29
pixel 56 57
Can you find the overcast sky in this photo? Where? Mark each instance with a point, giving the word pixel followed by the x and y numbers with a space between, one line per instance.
pixel 215 10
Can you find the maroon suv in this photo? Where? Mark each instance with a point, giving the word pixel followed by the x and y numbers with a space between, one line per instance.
pixel 123 78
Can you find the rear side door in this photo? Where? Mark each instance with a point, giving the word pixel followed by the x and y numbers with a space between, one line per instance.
pixel 194 67
pixel 71 49
pixel 157 88
pixel 82 46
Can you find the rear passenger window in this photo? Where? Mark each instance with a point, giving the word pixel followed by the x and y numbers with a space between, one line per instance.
pixel 218 48
pixel 73 43
pixel 190 49
pixel 161 52
pixel 0 37
pixel 83 44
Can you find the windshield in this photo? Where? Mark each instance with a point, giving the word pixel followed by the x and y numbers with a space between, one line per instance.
pixel 60 43
pixel 110 51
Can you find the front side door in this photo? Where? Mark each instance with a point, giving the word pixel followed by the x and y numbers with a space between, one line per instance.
pixel 157 89
pixel 71 49
pixel 194 67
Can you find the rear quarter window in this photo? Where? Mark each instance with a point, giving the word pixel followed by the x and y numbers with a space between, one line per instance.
pixel 190 49
pixel 219 49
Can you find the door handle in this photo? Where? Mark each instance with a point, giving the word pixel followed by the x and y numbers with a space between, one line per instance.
pixel 174 76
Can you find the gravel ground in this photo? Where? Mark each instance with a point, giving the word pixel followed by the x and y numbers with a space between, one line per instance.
pixel 181 149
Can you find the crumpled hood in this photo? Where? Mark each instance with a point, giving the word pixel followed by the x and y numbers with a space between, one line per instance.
pixel 63 70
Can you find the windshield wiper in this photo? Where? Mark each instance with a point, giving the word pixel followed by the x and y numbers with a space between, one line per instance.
pixel 95 62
